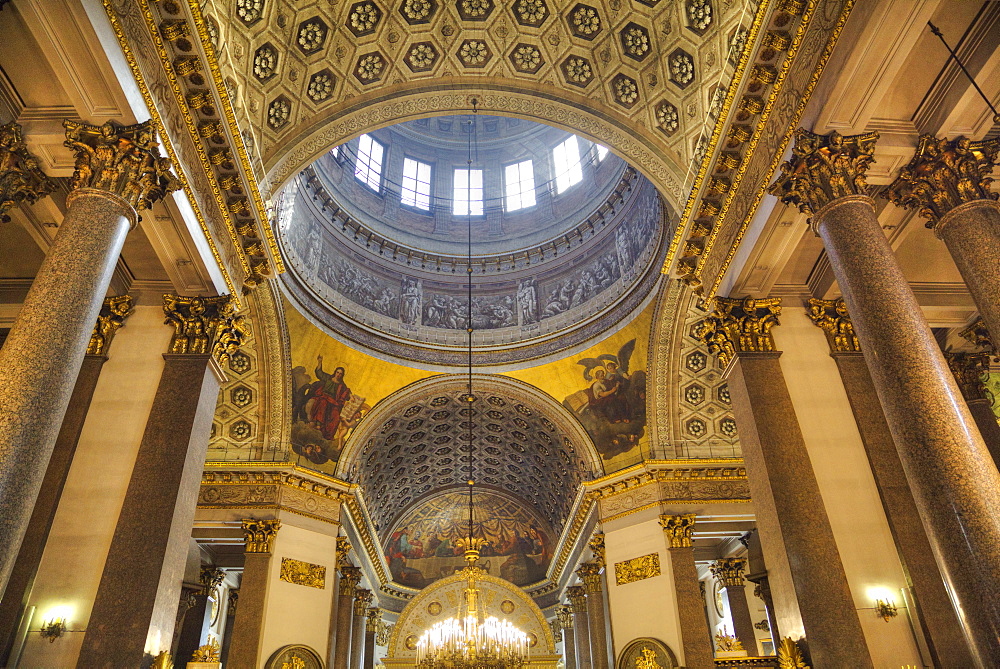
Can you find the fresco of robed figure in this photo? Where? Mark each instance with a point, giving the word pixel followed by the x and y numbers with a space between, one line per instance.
pixel 324 412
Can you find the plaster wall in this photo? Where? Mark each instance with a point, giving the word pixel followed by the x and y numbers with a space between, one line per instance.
pixel 849 493
pixel 646 608
pixel 295 613
pixel 84 524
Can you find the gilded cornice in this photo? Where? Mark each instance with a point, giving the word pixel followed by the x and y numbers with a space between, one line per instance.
pixel 192 193
pixel 808 50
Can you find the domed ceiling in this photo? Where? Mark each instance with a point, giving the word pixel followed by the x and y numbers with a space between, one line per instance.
pixel 546 277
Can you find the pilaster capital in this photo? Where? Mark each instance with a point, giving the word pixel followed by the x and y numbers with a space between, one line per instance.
pixel 597 547
pixel 373 618
pixel 211 578
pixel 824 168
pixel 342 549
pixel 678 529
pixel 234 600
pixel 977 335
pixel 259 534
pixel 565 616
pixel 205 325
pixel 577 596
pixel 590 574
pixel 738 325
pixel 729 571
pixel 362 600
pixel 21 179
pixel 113 313
pixel 970 371
pixel 944 174
pixel 349 578
pixel 832 318
pixel 124 160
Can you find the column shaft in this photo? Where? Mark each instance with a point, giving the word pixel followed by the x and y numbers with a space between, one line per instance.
pixel 15 597
pixel 953 477
pixel 989 429
pixel 581 626
pixel 695 635
pixel 41 358
pixel 971 231
pixel 369 660
pixel 590 573
pixel 357 641
pixel 248 626
pixel 813 598
pixel 191 627
pixel 136 601
pixel 569 648
pixel 739 608
pixel 349 578
pixel 942 628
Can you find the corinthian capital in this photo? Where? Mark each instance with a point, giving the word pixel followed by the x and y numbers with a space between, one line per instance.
pixel 831 316
pixel 597 547
pixel 729 571
pixel 739 325
pixel 21 180
pixel 349 579
pixel 123 160
pixel 204 325
pixel 577 596
pixel 362 600
pixel 977 335
pixel 590 574
pixel 342 549
pixel 970 371
pixel 259 534
pixel 824 168
pixel 114 311
pixel 373 618
pixel 944 174
pixel 678 529
pixel 564 615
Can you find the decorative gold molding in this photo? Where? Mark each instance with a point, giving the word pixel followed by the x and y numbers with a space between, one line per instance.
pixel 824 168
pixel 831 316
pixel 303 573
pixel 204 325
pixel 790 656
pixel 343 548
pixel 211 578
pixel 970 371
pixel 112 316
pixel 739 325
pixel 21 179
pixel 729 571
pixel 596 545
pixel 362 600
pixel 637 569
pixel 678 529
pixel 373 619
pixel 590 574
pixel 577 596
pixel 565 616
pixel 350 576
pixel 943 175
pixel 259 534
pixel 124 160
pixel 977 335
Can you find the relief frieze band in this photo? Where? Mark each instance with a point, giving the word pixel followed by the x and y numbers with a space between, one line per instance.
pixel 637 569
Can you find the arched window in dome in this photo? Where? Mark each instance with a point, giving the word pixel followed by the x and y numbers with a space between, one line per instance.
pixel 519 185
pixel 416 189
pixel 566 164
pixel 468 192
pixel 602 152
pixel 368 168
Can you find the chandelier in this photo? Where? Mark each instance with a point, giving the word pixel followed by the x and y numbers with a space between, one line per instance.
pixel 472 640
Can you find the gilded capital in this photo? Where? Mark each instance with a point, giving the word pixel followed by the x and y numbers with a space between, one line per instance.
pixel 944 174
pixel 729 571
pixel 590 574
pixel 970 371
pixel 597 547
pixel 259 534
pixel 211 578
pixel 739 325
pixel 577 596
pixel 977 335
pixel 342 549
pixel 556 627
pixel 373 618
pixel 832 318
pixel 234 600
pixel 124 160
pixel 824 168
pixel 362 600
pixel 678 529
pixel 113 313
pixel 205 325
pixel 349 579
pixel 565 616
pixel 21 179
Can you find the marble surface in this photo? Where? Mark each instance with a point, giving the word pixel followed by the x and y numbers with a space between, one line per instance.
pixel 954 480
pixel 695 635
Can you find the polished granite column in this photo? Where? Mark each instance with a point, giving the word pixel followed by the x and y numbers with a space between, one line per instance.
pixel 193 622
pixel 137 597
pixel 244 645
pixel 565 617
pixel 954 480
pixel 590 574
pixel 757 574
pixel 941 627
pixel 729 572
pixel 118 173
pixel 362 598
pixel 372 620
pixel 948 182
pixel 15 598
pixel 342 549
pixel 232 605
pixel 695 635
pixel 970 371
pixel 350 576
pixel 809 589
pixel 577 596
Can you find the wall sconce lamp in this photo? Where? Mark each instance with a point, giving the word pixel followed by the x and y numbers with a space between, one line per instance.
pixel 52 629
pixel 885 609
